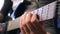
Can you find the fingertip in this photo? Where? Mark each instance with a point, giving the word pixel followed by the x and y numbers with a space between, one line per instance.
pixel 28 17
pixel 34 16
pixel 29 14
pixel 25 13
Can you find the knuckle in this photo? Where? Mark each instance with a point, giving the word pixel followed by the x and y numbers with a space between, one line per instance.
pixel 22 26
pixel 27 21
pixel 33 20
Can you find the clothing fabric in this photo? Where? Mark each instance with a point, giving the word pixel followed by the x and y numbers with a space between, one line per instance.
pixel 15 5
pixel 6 7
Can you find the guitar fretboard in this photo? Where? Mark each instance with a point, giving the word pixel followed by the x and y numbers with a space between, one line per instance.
pixel 46 12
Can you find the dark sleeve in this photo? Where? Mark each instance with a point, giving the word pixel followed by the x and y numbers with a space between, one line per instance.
pixel 21 8
pixel 6 7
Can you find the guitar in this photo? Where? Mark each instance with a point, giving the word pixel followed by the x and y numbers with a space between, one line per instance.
pixel 45 12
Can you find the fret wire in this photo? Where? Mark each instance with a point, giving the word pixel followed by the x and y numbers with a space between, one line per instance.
pixel 47 12
pixel 41 13
pixel 37 11
pixel 38 14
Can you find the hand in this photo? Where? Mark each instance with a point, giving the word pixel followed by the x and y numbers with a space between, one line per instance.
pixel 1 29
pixel 29 24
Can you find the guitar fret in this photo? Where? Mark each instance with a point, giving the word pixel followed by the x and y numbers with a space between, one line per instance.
pixel 44 12
pixel 47 12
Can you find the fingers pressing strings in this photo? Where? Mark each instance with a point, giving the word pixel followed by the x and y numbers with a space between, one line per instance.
pixel 22 20
pixel 32 18
pixel 29 23
pixel 25 19
pixel 28 20
pixel 35 22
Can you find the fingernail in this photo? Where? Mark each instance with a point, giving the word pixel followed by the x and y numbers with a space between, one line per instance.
pixel 29 13
pixel 25 13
